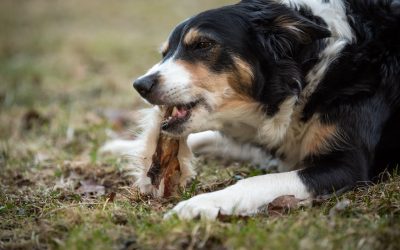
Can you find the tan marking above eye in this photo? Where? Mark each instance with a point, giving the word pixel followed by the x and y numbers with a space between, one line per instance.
pixel 164 47
pixel 192 36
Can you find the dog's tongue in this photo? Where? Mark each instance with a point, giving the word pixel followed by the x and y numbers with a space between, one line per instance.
pixel 179 112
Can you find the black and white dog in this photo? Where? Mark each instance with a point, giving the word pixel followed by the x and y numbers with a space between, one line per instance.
pixel 314 83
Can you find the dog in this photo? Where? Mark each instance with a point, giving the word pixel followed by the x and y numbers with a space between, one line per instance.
pixel 312 83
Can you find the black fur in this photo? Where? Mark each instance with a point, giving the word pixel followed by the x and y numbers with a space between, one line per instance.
pixel 359 94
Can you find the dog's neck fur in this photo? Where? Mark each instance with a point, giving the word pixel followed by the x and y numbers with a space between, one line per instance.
pixel 334 15
pixel 285 127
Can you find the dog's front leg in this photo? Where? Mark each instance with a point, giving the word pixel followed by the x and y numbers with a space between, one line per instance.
pixel 145 149
pixel 142 149
pixel 246 197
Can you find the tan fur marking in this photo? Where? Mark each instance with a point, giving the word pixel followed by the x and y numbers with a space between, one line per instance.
pixel 239 82
pixel 164 47
pixel 318 139
pixel 191 36
pixel 204 79
pixel 242 82
pixel 241 103
pixel 200 74
pixel 231 99
pixel 245 69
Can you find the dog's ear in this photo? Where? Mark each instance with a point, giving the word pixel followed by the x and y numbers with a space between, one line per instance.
pixel 280 30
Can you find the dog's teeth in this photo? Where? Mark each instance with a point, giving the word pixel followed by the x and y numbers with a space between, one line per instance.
pixel 174 111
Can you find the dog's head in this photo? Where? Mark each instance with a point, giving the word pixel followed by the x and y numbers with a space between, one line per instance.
pixel 219 60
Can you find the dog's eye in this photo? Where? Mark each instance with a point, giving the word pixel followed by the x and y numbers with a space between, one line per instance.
pixel 204 45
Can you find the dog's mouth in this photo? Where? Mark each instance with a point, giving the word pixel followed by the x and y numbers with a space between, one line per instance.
pixel 177 115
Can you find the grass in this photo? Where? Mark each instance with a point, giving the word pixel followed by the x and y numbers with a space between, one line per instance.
pixel 65 73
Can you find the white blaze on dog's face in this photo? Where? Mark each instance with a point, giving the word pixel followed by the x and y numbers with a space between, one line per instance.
pixel 196 80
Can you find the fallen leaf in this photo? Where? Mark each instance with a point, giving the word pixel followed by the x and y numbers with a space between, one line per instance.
pixel 91 189
pixel 111 197
pixel 33 118
pixel 282 205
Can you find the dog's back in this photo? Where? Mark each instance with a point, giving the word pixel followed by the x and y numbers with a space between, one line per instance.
pixel 383 18
pixel 361 91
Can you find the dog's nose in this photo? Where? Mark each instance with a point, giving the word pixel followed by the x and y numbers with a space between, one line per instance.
pixel 144 85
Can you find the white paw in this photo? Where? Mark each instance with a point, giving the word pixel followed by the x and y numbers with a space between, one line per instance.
pixel 202 206
pixel 208 206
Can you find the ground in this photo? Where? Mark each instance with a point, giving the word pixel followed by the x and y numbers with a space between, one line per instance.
pixel 66 69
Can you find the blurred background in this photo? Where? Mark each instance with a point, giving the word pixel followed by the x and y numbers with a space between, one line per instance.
pixel 66 67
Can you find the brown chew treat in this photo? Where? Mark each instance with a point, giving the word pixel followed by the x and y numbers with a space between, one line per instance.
pixel 165 165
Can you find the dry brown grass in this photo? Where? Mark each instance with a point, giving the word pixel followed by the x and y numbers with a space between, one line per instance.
pixel 65 73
